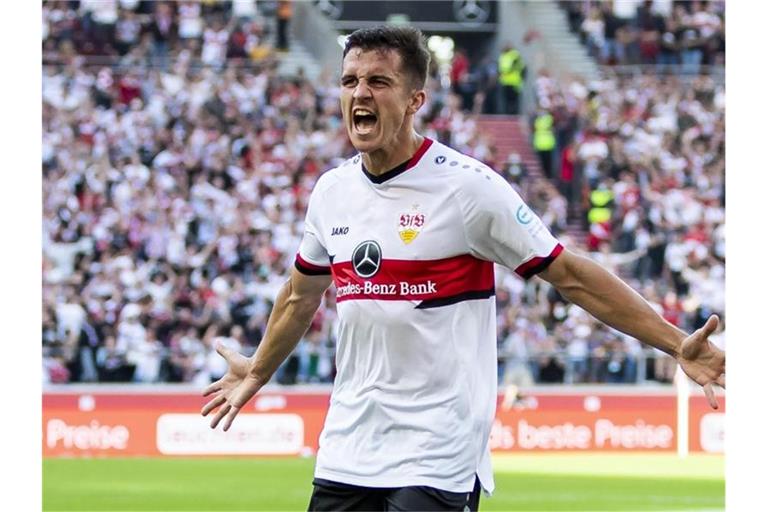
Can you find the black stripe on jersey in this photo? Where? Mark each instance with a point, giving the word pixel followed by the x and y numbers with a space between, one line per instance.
pixel 455 299
pixel 529 273
pixel 307 271
pixel 381 178
pixel 538 264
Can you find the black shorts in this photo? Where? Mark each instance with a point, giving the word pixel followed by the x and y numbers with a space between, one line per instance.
pixel 331 496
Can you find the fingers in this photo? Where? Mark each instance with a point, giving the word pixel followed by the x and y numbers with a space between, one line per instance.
pixel 230 418
pixel 226 411
pixel 711 326
pixel 220 414
pixel 214 403
pixel 223 351
pixel 710 392
pixel 213 387
pixel 721 381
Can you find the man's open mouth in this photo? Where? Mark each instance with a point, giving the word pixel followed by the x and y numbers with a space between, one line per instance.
pixel 363 120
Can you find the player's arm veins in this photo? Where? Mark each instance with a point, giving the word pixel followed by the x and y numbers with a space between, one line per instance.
pixel 611 300
pixel 295 306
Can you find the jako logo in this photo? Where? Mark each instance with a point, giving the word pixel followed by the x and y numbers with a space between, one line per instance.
pixel 340 231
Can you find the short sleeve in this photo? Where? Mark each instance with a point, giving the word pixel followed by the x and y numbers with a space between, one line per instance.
pixel 312 258
pixel 500 227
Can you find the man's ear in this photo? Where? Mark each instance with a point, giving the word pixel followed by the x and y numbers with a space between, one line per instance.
pixel 416 101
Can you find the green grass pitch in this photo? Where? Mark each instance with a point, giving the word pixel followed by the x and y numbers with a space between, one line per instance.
pixel 551 482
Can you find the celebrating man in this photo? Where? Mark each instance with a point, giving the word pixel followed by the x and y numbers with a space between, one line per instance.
pixel 409 231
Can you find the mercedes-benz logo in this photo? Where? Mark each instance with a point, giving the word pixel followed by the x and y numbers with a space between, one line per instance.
pixel 471 12
pixel 366 259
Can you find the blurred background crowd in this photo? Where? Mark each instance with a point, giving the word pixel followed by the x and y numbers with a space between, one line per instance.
pixel 691 34
pixel 177 164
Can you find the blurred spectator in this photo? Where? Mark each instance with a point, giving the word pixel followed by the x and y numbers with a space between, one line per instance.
pixel 190 20
pixel 567 169
pixel 514 355
pixel 99 20
pixel 593 28
pixel 669 46
pixel 574 13
pixel 592 152
pixel 515 171
pixel 551 369
pixel 215 40
pixel 461 83
pixel 613 51
pixel 284 14
pixel 244 10
pixel 692 42
pixel 164 30
pixel 650 26
pixel 127 31
pixel 487 77
pixel 112 363
pixel 578 353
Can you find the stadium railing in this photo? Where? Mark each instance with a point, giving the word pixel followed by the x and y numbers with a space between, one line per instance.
pixel 717 73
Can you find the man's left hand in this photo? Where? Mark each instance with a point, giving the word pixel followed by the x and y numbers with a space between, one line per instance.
pixel 702 361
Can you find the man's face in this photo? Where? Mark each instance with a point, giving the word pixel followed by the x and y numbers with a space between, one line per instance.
pixel 375 97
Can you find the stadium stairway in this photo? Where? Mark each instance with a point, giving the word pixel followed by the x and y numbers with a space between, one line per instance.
pixel 297 57
pixel 510 134
pixel 564 52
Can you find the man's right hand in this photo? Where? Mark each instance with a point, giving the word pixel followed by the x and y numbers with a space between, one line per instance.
pixel 233 390
pixel 295 305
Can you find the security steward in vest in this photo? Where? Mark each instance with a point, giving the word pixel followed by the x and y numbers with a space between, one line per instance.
pixel 544 141
pixel 601 205
pixel 511 75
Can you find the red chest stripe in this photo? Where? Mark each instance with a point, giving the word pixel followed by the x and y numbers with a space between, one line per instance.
pixel 438 282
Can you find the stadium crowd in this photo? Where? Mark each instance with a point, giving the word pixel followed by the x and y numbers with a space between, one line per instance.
pixel 175 184
pixel 645 155
pixel 688 33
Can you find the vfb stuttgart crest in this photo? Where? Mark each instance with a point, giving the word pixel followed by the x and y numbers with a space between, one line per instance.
pixel 410 224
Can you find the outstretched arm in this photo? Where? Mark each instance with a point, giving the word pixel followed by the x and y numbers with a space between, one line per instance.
pixel 610 300
pixel 291 316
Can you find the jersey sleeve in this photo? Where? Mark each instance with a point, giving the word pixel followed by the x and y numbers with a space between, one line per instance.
pixel 312 258
pixel 500 227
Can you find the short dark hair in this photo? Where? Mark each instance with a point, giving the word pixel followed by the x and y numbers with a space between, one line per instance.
pixel 409 42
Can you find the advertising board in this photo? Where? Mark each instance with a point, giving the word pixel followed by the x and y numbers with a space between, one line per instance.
pixel 104 424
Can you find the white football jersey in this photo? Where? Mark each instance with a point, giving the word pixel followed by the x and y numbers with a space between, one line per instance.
pixel 411 253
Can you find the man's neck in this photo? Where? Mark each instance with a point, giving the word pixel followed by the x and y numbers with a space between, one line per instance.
pixel 384 159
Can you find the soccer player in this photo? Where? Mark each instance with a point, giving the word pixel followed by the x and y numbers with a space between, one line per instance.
pixel 409 230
